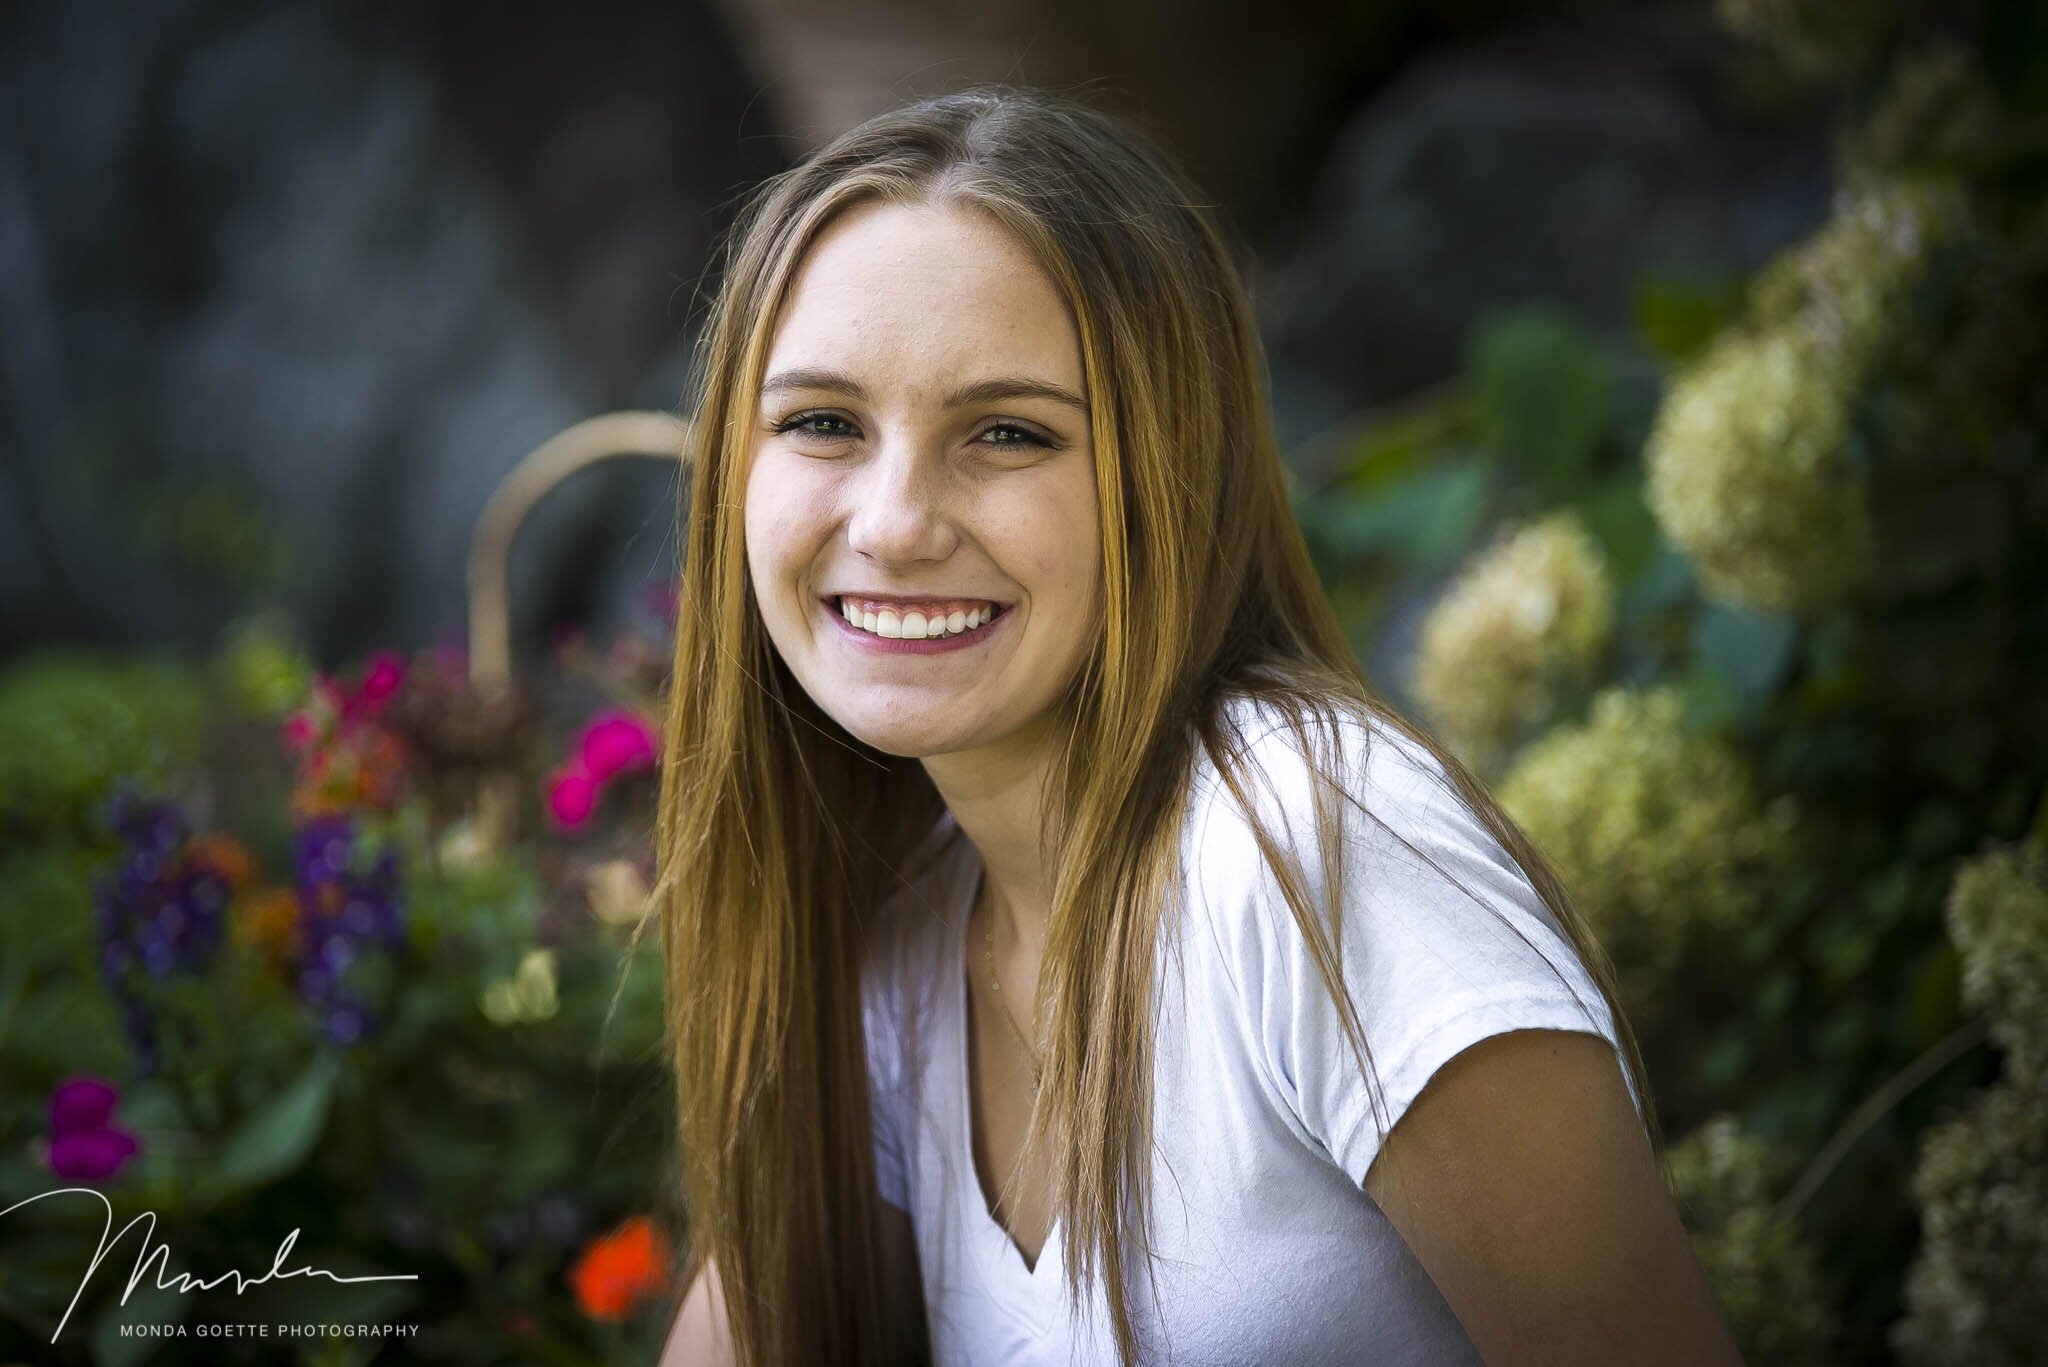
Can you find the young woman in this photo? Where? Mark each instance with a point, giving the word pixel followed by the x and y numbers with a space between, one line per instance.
pixel 1070 957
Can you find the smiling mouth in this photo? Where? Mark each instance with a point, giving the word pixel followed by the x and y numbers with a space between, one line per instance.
pixel 934 620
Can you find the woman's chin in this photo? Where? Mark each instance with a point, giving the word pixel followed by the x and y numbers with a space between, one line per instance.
pixel 904 737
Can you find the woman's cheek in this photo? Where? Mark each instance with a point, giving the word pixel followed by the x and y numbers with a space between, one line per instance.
pixel 783 520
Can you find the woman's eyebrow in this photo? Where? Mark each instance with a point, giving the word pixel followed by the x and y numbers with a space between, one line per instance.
pixel 979 391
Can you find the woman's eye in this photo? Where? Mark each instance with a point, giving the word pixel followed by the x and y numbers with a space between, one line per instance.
pixel 806 425
pixel 1018 436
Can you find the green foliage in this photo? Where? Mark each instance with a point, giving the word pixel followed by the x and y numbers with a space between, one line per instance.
pixel 276 1137
pixel 1997 914
pixel 1817 37
pixel 1528 618
pixel 1661 834
pixel 1424 516
pixel 1751 475
pixel 1982 1179
pixel 70 725
pixel 1761 1266
pixel 1982 1185
pixel 1677 317
pixel 260 670
pixel 1545 394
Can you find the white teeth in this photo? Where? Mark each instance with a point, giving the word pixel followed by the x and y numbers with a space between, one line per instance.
pixel 915 626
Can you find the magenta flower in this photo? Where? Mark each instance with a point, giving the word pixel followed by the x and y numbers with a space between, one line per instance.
pixel 385 673
pixel 85 1145
pixel 300 731
pixel 82 1103
pixel 572 795
pixel 618 742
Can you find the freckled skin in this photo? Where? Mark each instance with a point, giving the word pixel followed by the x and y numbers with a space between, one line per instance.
pixel 900 495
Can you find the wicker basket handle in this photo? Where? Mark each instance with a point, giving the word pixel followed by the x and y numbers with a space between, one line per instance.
pixel 637 434
pixel 634 434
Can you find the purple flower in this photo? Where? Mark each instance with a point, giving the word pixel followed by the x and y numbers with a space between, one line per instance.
pixel 85 1145
pixel 90 1155
pixel 82 1103
pixel 345 1021
pixel 345 907
pixel 156 912
pixel 167 914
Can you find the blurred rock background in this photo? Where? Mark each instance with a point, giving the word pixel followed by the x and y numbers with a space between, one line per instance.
pixel 284 290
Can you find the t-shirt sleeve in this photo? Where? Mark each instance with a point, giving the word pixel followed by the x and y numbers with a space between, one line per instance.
pixel 1443 941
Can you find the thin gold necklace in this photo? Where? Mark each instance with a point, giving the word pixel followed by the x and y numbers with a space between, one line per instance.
pixel 989 941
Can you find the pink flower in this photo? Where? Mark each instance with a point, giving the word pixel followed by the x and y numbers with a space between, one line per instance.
pixel 385 673
pixel 572 795
pixel 299 731
pixel 84 1144
pixel 617 742
pixel 329 695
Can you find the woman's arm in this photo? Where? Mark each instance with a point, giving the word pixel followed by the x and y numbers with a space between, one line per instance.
pixel 1523 1181
pixel 701 1338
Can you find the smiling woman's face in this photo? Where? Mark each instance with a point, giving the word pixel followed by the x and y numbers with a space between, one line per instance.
pixel 920 498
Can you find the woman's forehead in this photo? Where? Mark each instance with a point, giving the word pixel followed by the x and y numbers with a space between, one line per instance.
pixel 895 294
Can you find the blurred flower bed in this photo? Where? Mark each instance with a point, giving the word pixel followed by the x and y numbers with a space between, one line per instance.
pixel 1745 617
pixel 269 974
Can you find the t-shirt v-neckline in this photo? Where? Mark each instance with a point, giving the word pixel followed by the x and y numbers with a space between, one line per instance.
pixel 1002 1260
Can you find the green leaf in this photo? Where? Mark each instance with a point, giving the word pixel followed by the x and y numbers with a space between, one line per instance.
pixel 1544 390
pixel 1427 518
pixel 1676 317
pixel 1711 702
pixel 1751 650
pixel 1619 519
pixel 1665 582
pixel 277 1137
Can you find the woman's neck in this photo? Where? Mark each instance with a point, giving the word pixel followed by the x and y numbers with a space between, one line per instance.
pixel 996 794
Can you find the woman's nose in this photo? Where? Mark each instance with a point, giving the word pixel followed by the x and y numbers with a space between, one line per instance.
pixel 899 514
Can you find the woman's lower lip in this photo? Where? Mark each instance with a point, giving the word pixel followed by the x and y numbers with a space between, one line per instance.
pixel 929 645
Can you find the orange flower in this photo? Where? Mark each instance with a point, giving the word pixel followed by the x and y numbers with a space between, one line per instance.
pixel 268 920
pixel 617 1271
pixel 223 854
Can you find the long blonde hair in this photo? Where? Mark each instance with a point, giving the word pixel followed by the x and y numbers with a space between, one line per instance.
pixel 781 834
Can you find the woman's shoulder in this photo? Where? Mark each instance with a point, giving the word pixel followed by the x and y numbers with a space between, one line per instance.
pixel 1440 935
pixel 1282 751
pixel 1374 829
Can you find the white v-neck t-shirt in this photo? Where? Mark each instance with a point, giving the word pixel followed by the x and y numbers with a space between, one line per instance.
pixel 1267 1247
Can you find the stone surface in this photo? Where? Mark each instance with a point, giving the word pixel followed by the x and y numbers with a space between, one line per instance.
pixel 1551 162
pixel 342 269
